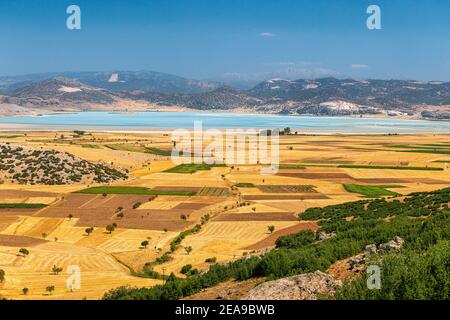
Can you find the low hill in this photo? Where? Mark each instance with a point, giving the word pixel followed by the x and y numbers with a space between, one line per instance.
pixel 48 167
pixel 63 90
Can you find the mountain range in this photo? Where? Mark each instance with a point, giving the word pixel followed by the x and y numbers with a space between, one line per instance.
pixel 147 90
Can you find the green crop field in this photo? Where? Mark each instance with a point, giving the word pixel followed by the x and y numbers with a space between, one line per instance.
pixel 192 168
pixel 371 191
pixel 22 205
pixel 125 147
pixel 291 166
pixel 159 152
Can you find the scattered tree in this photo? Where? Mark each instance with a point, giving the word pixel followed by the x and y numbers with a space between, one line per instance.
pixel 24 252
pixel 145 243
pixel 188 249
pixel 50 289
pixel 2 275
pixel 136 205
pixel 110 228
pixel 211 260
pixel 185 269
pixel 56 270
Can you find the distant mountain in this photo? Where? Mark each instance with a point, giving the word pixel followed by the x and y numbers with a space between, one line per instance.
pixel 117 80
pixel 142 90
pixel 326 96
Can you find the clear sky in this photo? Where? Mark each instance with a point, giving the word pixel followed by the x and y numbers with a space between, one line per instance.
pixel 214 39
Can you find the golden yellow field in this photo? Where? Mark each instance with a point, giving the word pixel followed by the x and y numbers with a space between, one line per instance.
pixel 241 204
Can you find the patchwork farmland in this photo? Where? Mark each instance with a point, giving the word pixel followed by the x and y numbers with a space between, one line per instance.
pixel 164 217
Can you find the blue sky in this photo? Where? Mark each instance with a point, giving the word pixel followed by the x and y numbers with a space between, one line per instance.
pixel 221 39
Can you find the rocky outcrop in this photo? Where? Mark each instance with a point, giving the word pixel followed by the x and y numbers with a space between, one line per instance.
pixel 393 245
pixel 309 286
pixel 322 235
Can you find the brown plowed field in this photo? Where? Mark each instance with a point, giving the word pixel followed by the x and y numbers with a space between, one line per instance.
pixel 315 175
pixel 98 211
pixel 287 189
pixel 19 241
pixel 19 212
pixel 24 194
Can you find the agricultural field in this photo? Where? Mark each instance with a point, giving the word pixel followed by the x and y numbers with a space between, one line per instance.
pixel 165 217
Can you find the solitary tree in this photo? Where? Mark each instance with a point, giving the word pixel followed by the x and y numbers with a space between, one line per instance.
pixel 271 229
pixel 89 230
pixel 120 215
pixel 2 275
pixel 110 228
pixel 56 270
pixel 188 249
pixel 144 244
pixel 25 291
pixel 70 216
pixel 183 217
pixel 254 209
pixel 24 252
pixel 50 289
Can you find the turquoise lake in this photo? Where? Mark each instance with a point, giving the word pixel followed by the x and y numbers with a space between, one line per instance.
pixel 170 120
